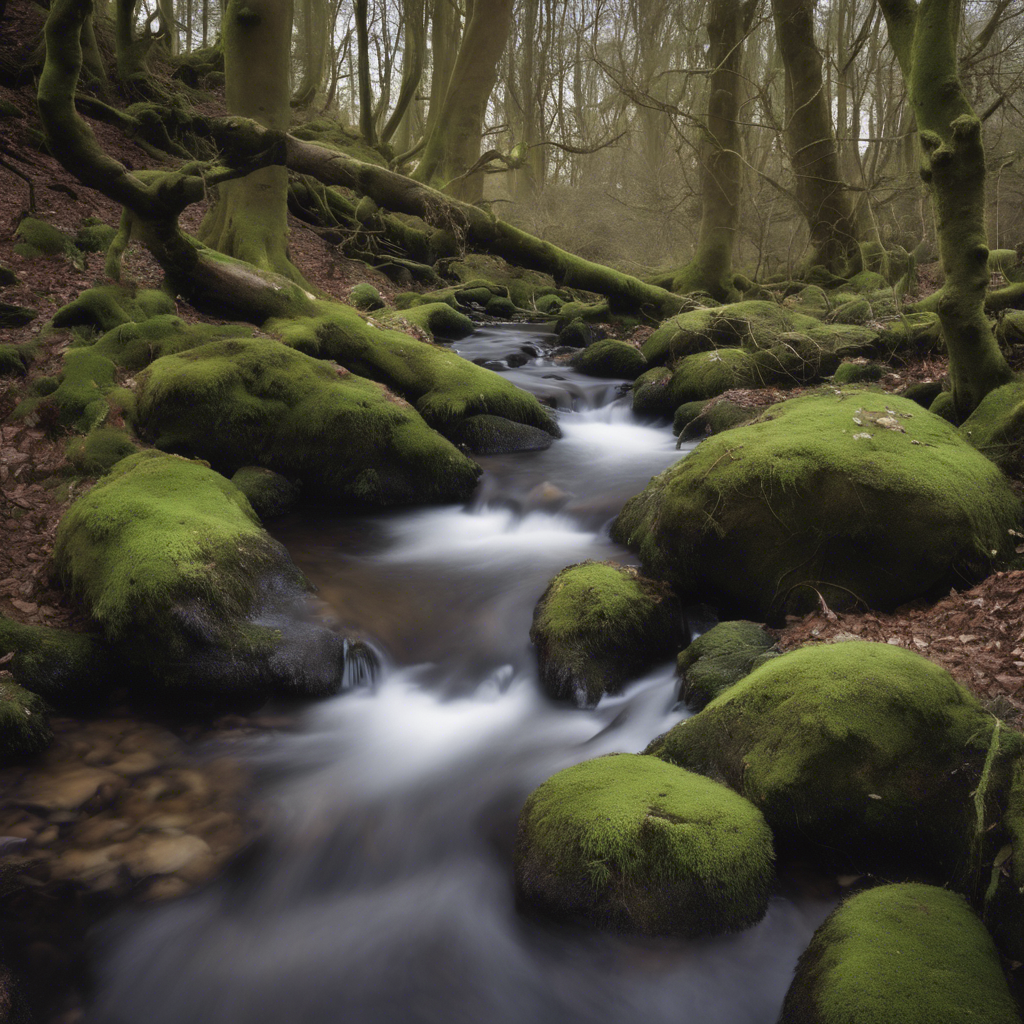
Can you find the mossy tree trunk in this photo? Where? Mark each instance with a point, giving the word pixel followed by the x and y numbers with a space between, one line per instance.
pixel 453 142
pixel 315 39
pixel 923 36
pixel 710 270
pixel 813 152
pixel 249 221
pixel 413 54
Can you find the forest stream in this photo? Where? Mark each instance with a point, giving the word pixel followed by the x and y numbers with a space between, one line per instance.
pixel 381 890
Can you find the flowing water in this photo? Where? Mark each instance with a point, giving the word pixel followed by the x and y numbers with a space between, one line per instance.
pixel 382 890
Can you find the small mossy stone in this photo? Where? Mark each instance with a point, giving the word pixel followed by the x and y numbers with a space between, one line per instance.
pixel 100 450
pixel 709 374
pixel 866 281
pixel 685 415
pixel 24 726
pixel 713 419
pixel 599 625
pixel 365 297
pixel 996 427
pixel 859 373
pixel 900 954
pixel 499 306
pixel 475 296
pixel 867 754
pixel 944 407
pixel 270 494
pixel 651 392
pixel 244 402
pixel 719 658
pixel 7 276
pixel 15 360
pixel 856 498
pixel 610 358
pixel 442 385
pixel 550 304
pixel 856 311
pixel 37 238
pixel 436 318
pixel 924 392
pixel 629 843
pixel 70 671
pixel 94 236
pixel 108 306
pixel 576 334
pixel 495 435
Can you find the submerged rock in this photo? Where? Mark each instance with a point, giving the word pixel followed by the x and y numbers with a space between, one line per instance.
pixel 721 657
pixel 900 954
pixel 866 752
pixel 598 626
pixel 629 843
pixel 170 561
pixel 854 498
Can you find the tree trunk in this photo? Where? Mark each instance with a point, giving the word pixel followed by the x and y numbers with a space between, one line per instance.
pixel 413 53
pixel 249 221
pixel 445 34
pixel 710 270
pixel 453 144
pixel 315 39
pixel 924 38
pixel 366 121
pixel 820 189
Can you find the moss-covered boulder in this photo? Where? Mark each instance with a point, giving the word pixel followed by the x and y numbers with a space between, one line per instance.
pixel 629 843
pixel 270 494
pixel 246 402
pixel 365 297
pixel 495 435
pixel 24 727
pixel 610 358
pixel 171 563
pixel 36 238
pixel 712 418
pixel 721 657
pixel 706 375
pixel 868 753
pixel 923 392
pixel 900 954
pixel 599 625
pixel 501 307
pixel 436 319
pixel 996 427
pixel 70 671
pixel 652 394
pixel 94 235
pixel 859 373
pixel 855 497
pixel 108 306
pixel 100 450
pixel 443 387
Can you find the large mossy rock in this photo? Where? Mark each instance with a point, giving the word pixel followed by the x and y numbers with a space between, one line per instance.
pixel 599 625
pixel 996 427
pixel 171 563
pixel 855 497
pixel 629 843
pixel 868 753
pixel 721 657
pixel 610 358
pixel 24 727
pixel 900 954
pixel 443 387
pixel 246 402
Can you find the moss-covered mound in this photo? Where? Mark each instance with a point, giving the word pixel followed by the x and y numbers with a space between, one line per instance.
pixel 599 625
pixel 136 345
pixel 495 435
pixel 94 235
pixel 721 657
pixel 35 238
pixel 710 418
pixel 610 358
pixel 855 497
pixel 24 727
pixel 629 843
pixel 652 394
pixel 996 427
pixel 15 359
pixel 436 318
pixel 900 954
pixel 269 493
pixel 100 450
pixel 866 751
pixel 858 373
pixel 442 385
pixel 365 297
pixel 69 670
pixel 246 402
pixel 171 563
pixel 106 307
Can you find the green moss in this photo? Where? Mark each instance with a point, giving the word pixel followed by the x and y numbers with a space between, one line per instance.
pixel 94 235
pixel 100 450
pixel 866 281
pixel 720 658
pixel 685 415
pixel 246 402
pixel 599 625
pixel 365 297
pixel 652 394
pixel 923 392
pixel 326 131
pixel 106 307
pixel 15 359
pixel 1007 263
pixel 859 373
pixel 135 345
pixel 628 843
pixel 1010 328
pixel 84 382
pixel 70 671
pixel 36 238
pixel 827 494
pixel 7 276
pixel 442 386
pixel 610 358
pixel 866 752
pixel 708 374
pixel 711 418
pixel 12 316
pixel 944 406
pixel 436 318
pixel 269 493
pixel 856 311
pixel 24 728
pixel 550 304
pixel 575 334
pixel 501 307
pixel 996 427
pixel 909 954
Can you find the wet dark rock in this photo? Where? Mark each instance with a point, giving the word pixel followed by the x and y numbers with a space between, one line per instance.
pixel 495 435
